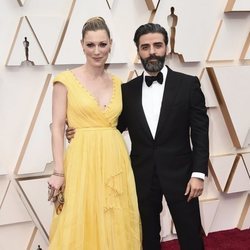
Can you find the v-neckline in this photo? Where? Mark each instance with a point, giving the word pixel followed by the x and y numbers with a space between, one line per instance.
pixel 103 109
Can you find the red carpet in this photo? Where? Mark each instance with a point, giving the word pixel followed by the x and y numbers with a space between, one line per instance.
pixel 234 239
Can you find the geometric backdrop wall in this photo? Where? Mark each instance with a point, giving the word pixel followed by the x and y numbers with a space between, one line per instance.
pixel 212 41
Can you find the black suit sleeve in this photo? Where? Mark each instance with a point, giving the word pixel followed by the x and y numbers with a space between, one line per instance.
pixel 199 129
pixel 122 124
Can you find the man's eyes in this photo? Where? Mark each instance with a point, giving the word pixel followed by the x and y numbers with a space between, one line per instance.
pixel 157 46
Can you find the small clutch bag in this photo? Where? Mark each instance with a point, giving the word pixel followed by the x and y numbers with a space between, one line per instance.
pixel 57 199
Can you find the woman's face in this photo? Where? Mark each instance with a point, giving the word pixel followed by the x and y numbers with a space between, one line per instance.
pixel 96 46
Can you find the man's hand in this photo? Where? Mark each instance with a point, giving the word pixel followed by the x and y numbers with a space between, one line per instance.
pixel 194 188
pixel 70 132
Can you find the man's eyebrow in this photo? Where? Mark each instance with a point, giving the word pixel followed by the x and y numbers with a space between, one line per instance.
pixel 158 43
pixel 144 44
pixel 155 43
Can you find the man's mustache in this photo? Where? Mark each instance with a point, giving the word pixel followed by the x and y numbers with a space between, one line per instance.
pixel 153 57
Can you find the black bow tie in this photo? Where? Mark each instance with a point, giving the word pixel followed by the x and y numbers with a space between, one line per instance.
pixel 150 79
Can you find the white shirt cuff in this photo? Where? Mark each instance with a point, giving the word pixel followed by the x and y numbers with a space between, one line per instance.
pixel 198 175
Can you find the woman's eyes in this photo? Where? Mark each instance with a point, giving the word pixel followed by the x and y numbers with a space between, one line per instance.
pixel 102 45
pixel 91 45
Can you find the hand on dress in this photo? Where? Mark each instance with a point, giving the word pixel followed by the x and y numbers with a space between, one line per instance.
pixel 194 188
pixel 70 132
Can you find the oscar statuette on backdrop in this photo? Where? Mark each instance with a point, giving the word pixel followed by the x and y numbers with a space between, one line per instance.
pixel 172 20
pixel 26 62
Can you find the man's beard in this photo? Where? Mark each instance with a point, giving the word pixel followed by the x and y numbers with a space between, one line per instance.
pixel 154 66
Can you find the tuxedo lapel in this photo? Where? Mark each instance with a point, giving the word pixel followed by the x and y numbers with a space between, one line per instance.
pixel 138 108
pixel 169 95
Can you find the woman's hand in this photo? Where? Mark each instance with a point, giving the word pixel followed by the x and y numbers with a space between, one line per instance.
pixel 56 183
pixel 56 190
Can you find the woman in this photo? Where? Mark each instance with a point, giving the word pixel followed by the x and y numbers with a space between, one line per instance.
pixel 100 210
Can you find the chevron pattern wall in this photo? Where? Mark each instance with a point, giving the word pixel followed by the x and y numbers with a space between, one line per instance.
pixel 211 40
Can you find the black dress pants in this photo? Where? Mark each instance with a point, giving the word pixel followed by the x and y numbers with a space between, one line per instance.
pixel 185 215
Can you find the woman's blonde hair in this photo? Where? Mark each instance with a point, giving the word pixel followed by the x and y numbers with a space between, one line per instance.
pixel 93 24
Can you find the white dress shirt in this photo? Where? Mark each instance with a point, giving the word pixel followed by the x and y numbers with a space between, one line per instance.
pixel 151 102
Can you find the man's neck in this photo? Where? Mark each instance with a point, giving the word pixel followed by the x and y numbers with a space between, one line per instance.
pixel 152 73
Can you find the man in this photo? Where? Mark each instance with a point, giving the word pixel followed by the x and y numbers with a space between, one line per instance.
pixel 161 120
pixel 168 128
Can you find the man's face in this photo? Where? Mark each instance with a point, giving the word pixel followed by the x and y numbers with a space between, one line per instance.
pixel 152 51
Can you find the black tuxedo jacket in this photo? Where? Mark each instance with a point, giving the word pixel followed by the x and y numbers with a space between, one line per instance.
pixel 180 146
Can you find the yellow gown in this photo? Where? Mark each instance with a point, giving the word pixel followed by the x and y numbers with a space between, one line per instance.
pixel 100 210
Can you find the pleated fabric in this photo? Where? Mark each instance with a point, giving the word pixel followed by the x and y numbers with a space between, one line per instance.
pixel 100 210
